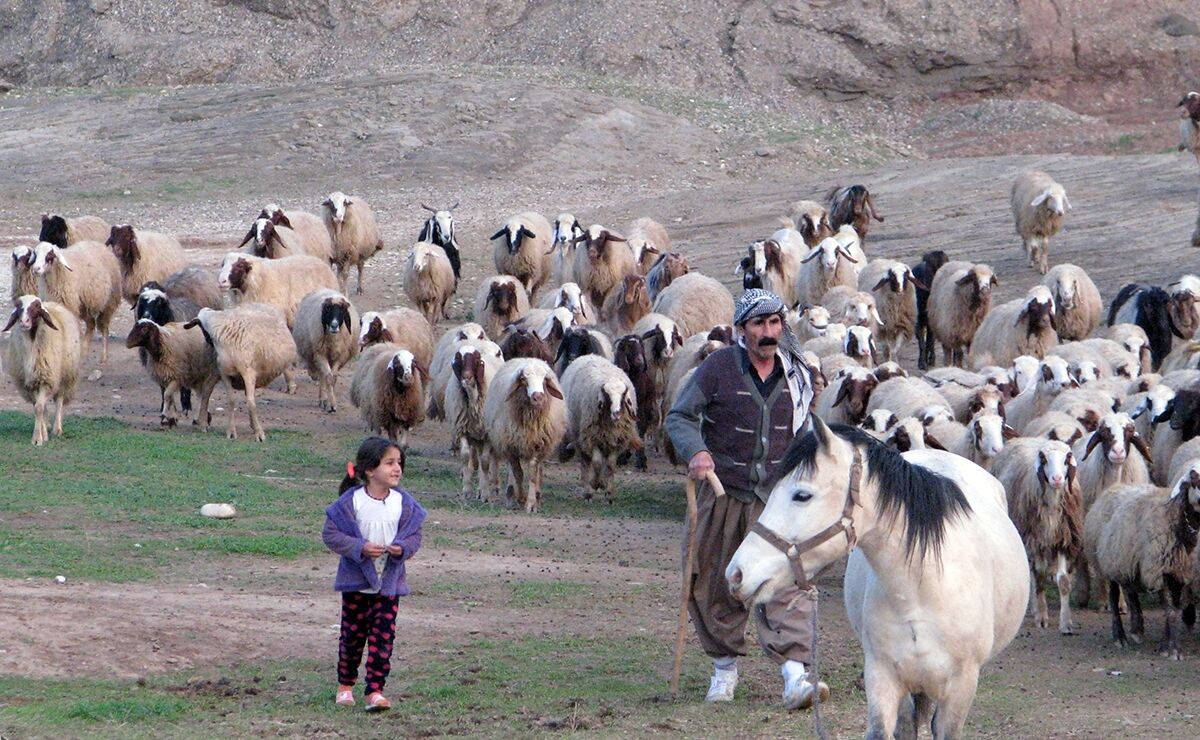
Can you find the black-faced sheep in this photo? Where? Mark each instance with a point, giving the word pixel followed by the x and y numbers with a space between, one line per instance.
pixel 499 301
pixel 923 274
pixel 354 233
pixel 1045 504
pixel 696 303
pixel 253 346
pixel 895 291
pixel 1159 313
pixel 601 419
pixel 43 359
pixel 852 205
pixel 602 263
pixel 1077 303
pixel 776 263
pixel 579 341
pixel 439 230
pixel 281 283
pixel 429 280
pixel 1038 206
pixel 388 389
pixel 326 336
pixel 179 362
pixel 144 256
pixel 85 279
pixel 63 232
pixel 526 419
pixel 959 297
pixel 1025 326
pixel 473 371
pixel 522 248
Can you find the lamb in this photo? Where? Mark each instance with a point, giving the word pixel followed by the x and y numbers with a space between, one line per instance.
pixel 1053 377
pixel 1038 206
pixel 24 282
pixel 62 232
pixel 522 248
pixel 602 419
pixel 281 283
pixel 439 230
pixel 355 235
pixel 307 230
pixel 321 342
pixel 960 297
pixel 473 372
pixel 429 280
pixel 144 256
pixel 846 398
pixel 570 296
pixel 1022 327
pixel 923 274
pixel 852 307
pixel 388 389
pixel 86 280
pixel 43 359
pixel 854 206
pixel 696 303
pixel 1137 537
pixel 894 290
pixel 648 240
pixel 1076 301
pixel 253 346
pixel 499 301
pixel 811 322
pixel 155 304
pixel 776 263
pixel 1159 313
pixel 600 266
pixel 812 221
pixel 566 234
pixel 179 361
pixel 1183 414
pixel 669 267
pixel 625 305
pixel 826 265
pixel 1118 439
pixel 1133 338
pixel 526 419
pixel 442 358
pixel 1046 505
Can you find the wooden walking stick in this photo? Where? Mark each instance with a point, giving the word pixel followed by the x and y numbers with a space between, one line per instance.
pixel 689 562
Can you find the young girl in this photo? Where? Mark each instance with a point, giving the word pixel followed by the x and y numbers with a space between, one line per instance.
pixel 375 527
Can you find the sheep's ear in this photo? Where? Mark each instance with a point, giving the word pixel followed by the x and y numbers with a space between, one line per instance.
pixel 933 442
pixel 553 389
pixel 281 220
pixel 1066 201
pixel 44 317
pixel 843 390
pixel 964 279
pixel 1040 199
pixel 1022 316
pixel 882 282
pixel 994 281
pixel 526 233
pixel 1008 432
pixel 608 236
pixel 1091 445
pixel 499 233
pixel 191 324
pixel 12 319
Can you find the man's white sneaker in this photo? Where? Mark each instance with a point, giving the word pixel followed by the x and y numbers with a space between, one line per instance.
pixel 798 690
pixel 723 684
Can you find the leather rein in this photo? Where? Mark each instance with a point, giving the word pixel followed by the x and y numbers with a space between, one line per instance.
pixel 844 525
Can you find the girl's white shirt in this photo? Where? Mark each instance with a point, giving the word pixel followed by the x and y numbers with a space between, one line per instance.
pixel 378 522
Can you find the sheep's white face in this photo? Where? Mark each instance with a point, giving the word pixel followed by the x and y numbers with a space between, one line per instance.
pixel 444 222
pixel 570 297
pixel 1086 372
pixel 988 432
pixel 899 274
pixel 614 392
pixel 534 380
pixel 1112 432
pixel 639 247
pixel 1134 345
pixel 879 420
pixel 337 203
pixel 490 348
pixel 28 308
pixel 1054 198
pixel 1055 463
pixel 418 258
pixel 1065 290
pixel 402 360
pixel 758 255
pixel 934 414
pixel 566 228
pixel 44 255
pixel 1025 371
pixel 231 259
pixel 260 231
pixel 1188 284
pixel 830 251
pixel 1156 401
pixel 818 320
pixel 562 318
pixel 1055 373
pixel 20 255
pixel 864 344
pixel 369 320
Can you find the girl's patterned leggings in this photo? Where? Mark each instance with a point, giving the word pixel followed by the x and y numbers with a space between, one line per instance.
pixel 367 619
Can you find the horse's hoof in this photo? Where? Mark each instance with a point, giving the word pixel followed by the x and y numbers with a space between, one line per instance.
pixel 1068 630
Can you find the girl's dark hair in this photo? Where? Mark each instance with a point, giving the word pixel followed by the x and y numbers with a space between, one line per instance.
pixel 370 454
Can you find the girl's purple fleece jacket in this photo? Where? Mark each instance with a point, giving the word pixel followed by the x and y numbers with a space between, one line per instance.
pixel 356 573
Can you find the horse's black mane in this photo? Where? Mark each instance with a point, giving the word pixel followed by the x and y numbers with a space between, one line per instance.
pixel 926 499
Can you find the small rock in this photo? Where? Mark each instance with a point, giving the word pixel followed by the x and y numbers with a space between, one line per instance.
pixel 95 374
pixel 764 151
pixel 1174 24
pixel 60 579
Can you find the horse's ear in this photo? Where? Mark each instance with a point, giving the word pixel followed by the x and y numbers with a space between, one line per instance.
pixel 821 431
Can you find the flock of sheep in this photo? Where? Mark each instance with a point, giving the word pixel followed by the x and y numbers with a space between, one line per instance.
pixel 584 337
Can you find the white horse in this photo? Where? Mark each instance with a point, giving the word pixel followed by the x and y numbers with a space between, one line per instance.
pixel 939 581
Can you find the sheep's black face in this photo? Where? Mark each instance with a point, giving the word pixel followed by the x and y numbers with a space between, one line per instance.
pixel 335 315
pixel 54 230
pixel 503 298
pixel 900 440
pixel 630 356
pixel 154 307
pixel 1038 316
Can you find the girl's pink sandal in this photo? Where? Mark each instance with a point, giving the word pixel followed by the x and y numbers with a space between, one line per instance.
pixel 345 698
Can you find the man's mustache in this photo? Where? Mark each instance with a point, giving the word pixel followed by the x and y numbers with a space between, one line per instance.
pixel 768 342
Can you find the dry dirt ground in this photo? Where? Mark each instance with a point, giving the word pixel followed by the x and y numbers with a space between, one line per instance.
pixel 200 161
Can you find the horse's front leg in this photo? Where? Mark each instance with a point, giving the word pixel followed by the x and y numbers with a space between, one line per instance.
pixel 953 708
pixel 884 694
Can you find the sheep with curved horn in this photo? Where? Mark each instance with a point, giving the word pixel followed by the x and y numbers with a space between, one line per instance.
pixel 439 229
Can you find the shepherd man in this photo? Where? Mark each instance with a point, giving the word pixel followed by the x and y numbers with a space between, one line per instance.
pixel 736 416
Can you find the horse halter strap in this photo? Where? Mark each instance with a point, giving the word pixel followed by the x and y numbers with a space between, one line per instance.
pixel 845 524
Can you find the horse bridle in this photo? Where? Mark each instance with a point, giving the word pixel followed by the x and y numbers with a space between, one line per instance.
pixel 845 524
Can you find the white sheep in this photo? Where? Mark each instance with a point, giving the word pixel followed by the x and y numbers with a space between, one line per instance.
pixel 253 346
pixel 1077 302
pixel 696 303
pixel 1053 377
pixel 1133 338
pixel 1144 537
pixel 570 296
pixel 776 261
pixel 354 233
pixel 522 248
pixel 895 292
pixel 1038 206
pixel 828 264
pixel 63 232
pixel 564 238
pixel 526 419
pixel 308 230
pixel 441 360
pixel 1057 426
pixel 647 240
pixel 43 359
pixel 144 256
pixel 499 301
pixel 959 298
pixel 326 336
pixel 985 437
pixel 281 283
pixel 1045 504
pixel 905 397
pixel 810 322
pixel 177 359
pixel 472 371
pixel 388 389
pixel 1186 457
pixel 429 280
pixel 86 279
pixel 1021 327
pixel 23 282
pixel 602 419
pixel 1123 457
pixel 852 307
pixel 602 262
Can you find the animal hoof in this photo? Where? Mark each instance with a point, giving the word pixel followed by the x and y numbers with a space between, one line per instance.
pixel 1068 630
